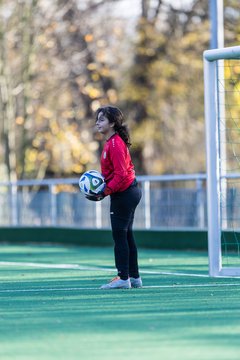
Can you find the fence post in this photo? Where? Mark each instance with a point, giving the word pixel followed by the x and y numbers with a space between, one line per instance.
pixel 14 205
pixel 98 215
pixel 53 202
pixel 200 204
pixel 147 204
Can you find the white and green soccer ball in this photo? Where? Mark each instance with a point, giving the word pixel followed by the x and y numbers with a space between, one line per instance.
pixel 91 180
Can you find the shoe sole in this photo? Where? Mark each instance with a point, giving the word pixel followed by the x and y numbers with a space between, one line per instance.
pixel 115 288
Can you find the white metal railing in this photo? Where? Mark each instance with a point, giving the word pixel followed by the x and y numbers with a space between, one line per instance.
pixel 168 201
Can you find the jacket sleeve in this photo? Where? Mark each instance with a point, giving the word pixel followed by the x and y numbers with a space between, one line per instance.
pixel 118 159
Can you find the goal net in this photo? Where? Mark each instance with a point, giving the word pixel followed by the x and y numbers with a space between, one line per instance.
pixel 222 118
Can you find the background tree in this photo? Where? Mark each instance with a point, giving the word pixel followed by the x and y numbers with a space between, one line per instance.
pixel 165 81
pixel 62 59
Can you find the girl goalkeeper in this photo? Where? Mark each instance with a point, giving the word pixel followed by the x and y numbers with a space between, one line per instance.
pixel 118 171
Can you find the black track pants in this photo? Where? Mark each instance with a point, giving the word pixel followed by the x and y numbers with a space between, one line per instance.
pixel 122 209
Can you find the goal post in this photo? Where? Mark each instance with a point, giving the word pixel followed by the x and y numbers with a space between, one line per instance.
pixel 222 121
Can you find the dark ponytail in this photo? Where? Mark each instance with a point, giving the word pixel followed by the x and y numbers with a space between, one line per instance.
pixel 124 134
pixel 115 116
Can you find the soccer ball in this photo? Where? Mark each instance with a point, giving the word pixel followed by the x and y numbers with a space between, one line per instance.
pixel 91 180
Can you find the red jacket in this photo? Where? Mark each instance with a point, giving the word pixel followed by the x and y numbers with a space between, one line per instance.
pixel 116 165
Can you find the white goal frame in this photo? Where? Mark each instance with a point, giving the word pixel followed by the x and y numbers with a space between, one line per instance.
pixel 215 176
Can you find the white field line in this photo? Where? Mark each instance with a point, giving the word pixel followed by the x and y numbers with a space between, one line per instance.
pixel 91 268
pixel 37 290
pixel 98 268
pixel 94 268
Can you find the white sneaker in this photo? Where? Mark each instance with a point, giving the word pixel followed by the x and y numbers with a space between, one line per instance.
pixel 136 283
pixel 117 283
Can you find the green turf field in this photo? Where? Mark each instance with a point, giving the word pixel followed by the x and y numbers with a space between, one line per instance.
pixel 52 307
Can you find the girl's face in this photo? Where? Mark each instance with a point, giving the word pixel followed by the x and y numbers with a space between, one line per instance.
pixel 103 125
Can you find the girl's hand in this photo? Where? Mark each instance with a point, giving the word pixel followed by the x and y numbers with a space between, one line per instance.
pixel 95 197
